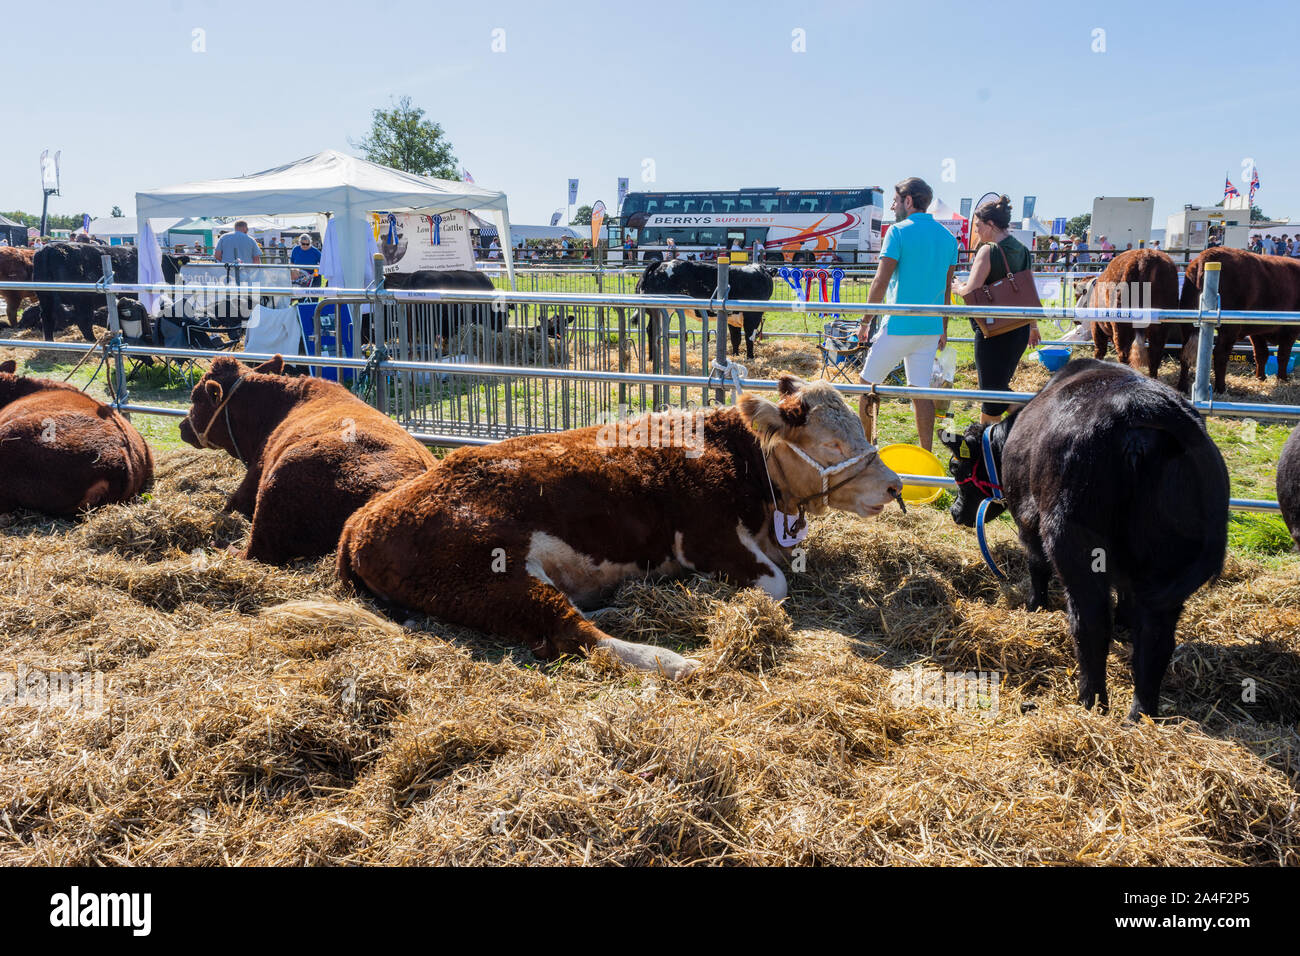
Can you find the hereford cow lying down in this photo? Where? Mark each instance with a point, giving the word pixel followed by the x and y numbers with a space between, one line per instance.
pixel 700 281
pixel 1113 483
pixel 315 453
pixel 1248 282
pixel 1288 484
pixel 1138 279
pixel 509 538
pixel 15 266
pixel 61 451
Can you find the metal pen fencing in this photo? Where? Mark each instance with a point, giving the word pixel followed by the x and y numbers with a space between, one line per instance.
pixel 459 367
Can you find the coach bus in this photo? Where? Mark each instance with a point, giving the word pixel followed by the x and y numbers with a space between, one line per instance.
pixel 799 224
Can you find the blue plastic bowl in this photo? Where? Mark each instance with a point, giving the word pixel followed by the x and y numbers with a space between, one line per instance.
pixel 1054 357
pixel 1270 367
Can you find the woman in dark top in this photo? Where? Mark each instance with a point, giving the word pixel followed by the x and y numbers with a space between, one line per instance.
pixel 996 357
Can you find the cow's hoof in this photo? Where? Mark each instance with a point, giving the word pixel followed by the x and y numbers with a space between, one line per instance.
pixel 644 657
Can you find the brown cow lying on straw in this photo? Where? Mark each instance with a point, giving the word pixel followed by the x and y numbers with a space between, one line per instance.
pixel 315 453
pixel 508 538
pixel 62 451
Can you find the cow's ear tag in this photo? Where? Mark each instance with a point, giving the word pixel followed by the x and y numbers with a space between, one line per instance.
pixel 964 450
pixel 790 529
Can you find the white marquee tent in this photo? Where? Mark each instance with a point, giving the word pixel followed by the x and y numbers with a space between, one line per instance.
pixel 331 181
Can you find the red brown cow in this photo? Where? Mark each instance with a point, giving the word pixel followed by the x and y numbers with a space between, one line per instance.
pixel 1138 279
pixel 1249 283
pixel 15 266
pixel 62 451
pixel 315 453
pixel 509 538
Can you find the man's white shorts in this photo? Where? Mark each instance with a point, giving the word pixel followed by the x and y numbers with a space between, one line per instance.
pixel 916 352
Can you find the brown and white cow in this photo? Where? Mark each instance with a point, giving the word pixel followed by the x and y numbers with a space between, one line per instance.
pixel 62 451
pixel 1138 279
pixel 509 538
pixel 315 453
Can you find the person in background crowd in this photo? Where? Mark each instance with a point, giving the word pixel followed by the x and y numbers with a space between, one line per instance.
pixel 1155 244
pixel 1055 249
pixel 1268 247
pixel 996 357
pixel 1081 254
pixel 1128 247
pixel 494 248
pixel 671 252
pixel 917 262
pixel 1107 249
pixel 304 254
pixel 238 246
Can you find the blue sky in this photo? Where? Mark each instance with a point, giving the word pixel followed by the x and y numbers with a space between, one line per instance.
pixel 713 94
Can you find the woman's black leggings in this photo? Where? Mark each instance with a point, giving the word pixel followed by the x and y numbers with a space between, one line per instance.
pixel 996 359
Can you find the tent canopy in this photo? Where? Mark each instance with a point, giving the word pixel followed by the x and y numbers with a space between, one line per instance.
pixel 333 182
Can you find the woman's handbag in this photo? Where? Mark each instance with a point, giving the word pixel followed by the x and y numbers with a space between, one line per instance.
pixel 1014 289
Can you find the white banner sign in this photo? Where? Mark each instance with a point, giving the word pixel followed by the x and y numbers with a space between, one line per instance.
pixel 412 243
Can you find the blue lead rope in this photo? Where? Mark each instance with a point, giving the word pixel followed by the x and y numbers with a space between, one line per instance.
pixel 997 497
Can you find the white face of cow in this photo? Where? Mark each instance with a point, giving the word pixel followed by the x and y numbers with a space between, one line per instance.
pixel 814 442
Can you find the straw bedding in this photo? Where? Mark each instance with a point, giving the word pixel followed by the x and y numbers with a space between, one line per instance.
pixel 260 715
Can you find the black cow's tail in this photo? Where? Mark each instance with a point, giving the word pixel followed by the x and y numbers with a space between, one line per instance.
pixel 1179 487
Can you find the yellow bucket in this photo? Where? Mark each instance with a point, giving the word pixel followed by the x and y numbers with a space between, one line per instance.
pixel 907 459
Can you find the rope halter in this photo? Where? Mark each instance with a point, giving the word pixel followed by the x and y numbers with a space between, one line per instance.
pixel 792 530
pixel 223 407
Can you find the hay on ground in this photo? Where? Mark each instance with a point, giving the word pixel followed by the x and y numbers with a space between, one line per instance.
pixel 259 715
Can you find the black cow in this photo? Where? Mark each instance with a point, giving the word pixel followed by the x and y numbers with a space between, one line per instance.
pixel 450 318
pixel 699 280
pixel 1288 484
pixel 80 262
pixel 1113 483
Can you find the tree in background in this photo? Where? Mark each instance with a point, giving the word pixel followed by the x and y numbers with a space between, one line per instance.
pixel 582 217
pixel 116 213
pixel 53 222
pixel 1078 226
pixel 402 138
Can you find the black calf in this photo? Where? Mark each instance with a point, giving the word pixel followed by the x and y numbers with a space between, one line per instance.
pixel 1113 484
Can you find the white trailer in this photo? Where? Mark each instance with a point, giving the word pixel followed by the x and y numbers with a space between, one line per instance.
pixel 1122 220
pixel 1190 228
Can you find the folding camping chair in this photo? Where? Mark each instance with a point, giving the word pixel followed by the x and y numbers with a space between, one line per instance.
pixel 843 355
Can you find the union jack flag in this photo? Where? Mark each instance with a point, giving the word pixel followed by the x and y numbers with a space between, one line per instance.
pixel 465 177
pixel 1229 190
pixel 1254 184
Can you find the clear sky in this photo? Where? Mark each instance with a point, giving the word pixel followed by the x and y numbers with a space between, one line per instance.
pixel 1023 98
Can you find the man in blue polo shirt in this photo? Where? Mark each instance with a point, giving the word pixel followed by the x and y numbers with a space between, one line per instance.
pixel 916 266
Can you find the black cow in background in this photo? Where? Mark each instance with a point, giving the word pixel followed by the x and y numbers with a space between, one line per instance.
pixel 80 262
pixel 699 280
pixel 449 319
pixel 1113 483
pixel 1288 484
